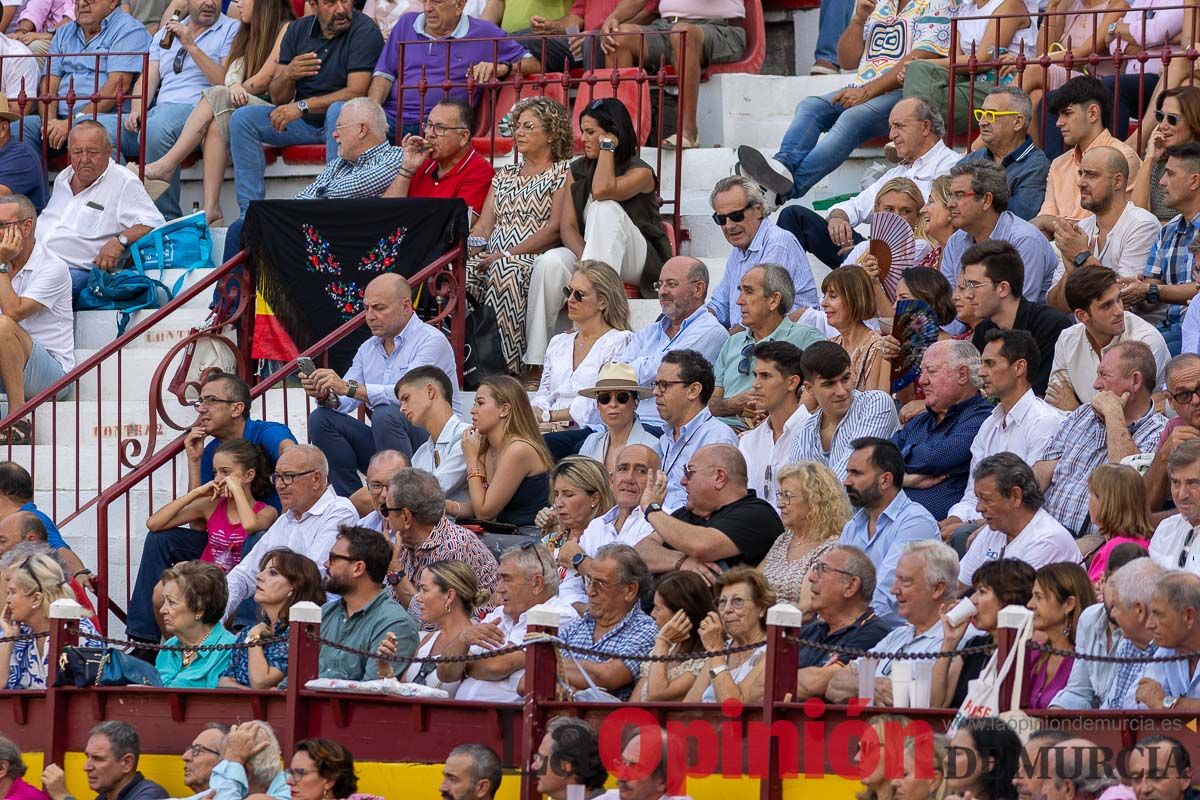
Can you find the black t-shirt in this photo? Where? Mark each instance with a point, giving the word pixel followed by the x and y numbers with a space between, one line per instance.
pixel 1042 322
pixel 862 634
pixel 751 524
pixel 356 50
pixel 972 667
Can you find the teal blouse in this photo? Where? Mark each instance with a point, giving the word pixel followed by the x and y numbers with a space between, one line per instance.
pixel 206 667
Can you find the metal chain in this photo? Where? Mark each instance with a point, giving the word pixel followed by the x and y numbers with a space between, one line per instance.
pixel 23 636
pixel 899 655
pixel 399 659
pixel 1054 651
pixel 177 648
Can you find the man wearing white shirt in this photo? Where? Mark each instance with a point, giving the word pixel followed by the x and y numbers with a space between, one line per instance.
pixel 19 73
pixel 624 523
pixel 399 340
pixel 97 208
pixel 1094 296
pixel 778 380
pixel 1010 501
pixel 528 577
pixel 384 465
pixel 1117 235
pixel 37 326
pixel 312 515
pixel 425 394
pixel 916 131
pixel 1021 422
pixel 1175 543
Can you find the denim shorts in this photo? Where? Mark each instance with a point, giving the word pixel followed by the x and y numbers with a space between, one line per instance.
pixel 41 372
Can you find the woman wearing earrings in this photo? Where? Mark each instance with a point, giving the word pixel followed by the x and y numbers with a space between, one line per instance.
pixel 1060 594
pixel 580 494
pixel 508 464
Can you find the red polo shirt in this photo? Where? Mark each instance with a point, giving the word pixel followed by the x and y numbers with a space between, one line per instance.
pixel 470 179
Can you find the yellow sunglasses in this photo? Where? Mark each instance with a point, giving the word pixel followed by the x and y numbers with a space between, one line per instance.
pixel 985 114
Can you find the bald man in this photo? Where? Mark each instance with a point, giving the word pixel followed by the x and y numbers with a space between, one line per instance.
pixel 624 523
pixel 21 526
pixel 1118 236
pixel 398 341
pixel 723 525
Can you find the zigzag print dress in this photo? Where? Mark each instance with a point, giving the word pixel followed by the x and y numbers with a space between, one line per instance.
pixel 522 207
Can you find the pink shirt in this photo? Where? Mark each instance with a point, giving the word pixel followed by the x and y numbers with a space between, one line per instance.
pixel 20 790
pixel 48 15
pixel 702 9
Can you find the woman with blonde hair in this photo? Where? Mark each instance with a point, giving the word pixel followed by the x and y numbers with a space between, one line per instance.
pixel 521 219
pixel 743 599
pixel 923 778
pixel 1117 505
pixel 848 302
pixel 33 583
pixel 877 784
pixel 579 492
pixel 507 461
pixel 449 592
pixel 814 509
pixel 936 227
pixel 599 311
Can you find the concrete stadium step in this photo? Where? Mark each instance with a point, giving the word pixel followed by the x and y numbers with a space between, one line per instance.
pixel 95 329
pixel 736 109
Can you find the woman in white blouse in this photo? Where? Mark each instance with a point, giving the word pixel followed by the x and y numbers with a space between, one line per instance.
pixel 597 306
pixel 449 592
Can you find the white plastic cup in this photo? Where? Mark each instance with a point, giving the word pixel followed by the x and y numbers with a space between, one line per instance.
pixel 922 684
pixel 866 679
pixel 961 612
pixel 902 680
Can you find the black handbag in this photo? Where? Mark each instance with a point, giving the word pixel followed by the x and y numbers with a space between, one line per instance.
pixel 484 356
pixel 103 666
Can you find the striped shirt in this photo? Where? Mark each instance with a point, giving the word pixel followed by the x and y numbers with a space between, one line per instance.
pixel 1127 675
pixel 870 414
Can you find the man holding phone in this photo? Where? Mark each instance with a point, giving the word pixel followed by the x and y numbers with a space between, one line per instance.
pixel 399 340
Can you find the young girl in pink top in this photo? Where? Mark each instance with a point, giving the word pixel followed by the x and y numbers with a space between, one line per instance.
pixel 230 506
pixel 1117 503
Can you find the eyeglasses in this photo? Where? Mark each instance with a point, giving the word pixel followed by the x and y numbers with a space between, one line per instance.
pixel 599 584
pixel 736 603
pixel 1187 543
pixel 434 129
pixel 670 285
pixel 376 486
pixel 821 568
pixel 32 575
pixel 349 125
pixel 295 774
pixel 568 293
pixel 179 57
pixel 14 222
pixel 340 557
pixel 989 116
pixel 604 398
pixel 541 561
pixel 1184 396
pixel 747 358
pixel 386 510
pixel 661 386
pixel 785 498
pixel 969 287
pixel 209 400
pixel 527 126
pixel 958 197
pixel 1173 119
pixel 689 470
pixel 735 216
pixel 197 749
pixel 288 478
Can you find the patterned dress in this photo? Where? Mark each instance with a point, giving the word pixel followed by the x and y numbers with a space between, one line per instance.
pixel 787 576
pixel 27 668
pixel 522 207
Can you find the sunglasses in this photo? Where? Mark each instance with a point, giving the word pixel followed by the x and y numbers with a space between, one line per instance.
pixel 568 293
pixel 747 358
pixel 735 216
pixel 1174 119
pixel 1184 396
pixel 604 398
pixel 179 57
pixel 534 547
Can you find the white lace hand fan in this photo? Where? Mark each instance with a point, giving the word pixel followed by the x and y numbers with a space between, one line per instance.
pixel 894 246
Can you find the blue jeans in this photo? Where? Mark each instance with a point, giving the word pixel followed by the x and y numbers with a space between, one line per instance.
pixel 808 159
pixel 349 444
pixel 812 231
pixel 250 128
pixel 835 18
pixel 164 123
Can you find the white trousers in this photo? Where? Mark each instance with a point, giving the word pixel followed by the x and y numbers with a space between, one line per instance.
pixel 612 238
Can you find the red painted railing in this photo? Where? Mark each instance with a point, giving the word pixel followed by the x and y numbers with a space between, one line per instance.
pixel 806 738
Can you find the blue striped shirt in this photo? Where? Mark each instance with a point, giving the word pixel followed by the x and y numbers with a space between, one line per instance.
pixel 1170 262
pixel 870 414
pixel 771 245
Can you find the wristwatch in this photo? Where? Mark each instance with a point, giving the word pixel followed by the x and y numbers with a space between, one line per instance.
pixel 1169 702
pixel 1082 258
pixel 392 578
pixel 302 105
pixel 351 388
pixel 713 672
pixel 545 415
pixel 650 509
pixel 4 269
pixel 608 144
pixel 1152 294
pixel 1112 28
pixel 123 239
pixel 578 559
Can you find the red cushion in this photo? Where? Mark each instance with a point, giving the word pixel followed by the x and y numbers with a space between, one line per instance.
pixel 304 154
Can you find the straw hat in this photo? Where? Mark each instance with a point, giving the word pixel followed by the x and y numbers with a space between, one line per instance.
pixel 5 112
pixel 617 377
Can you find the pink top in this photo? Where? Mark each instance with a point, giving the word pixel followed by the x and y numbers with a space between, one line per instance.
pixel 20 790
pixel 225 539
pixel 1038 692
pixel 48 15
pixel 702 9
pixel 1100 560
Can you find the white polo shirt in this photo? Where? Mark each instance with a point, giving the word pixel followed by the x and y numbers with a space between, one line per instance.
pixel 1074 354
pixel 46 280
pixel 1127 247
pixel 765 455
pixel 1042 542
pixel 75 226
pixel 505 689
pixel 1168 542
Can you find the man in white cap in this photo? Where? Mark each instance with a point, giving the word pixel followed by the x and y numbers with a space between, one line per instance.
pixel 616 393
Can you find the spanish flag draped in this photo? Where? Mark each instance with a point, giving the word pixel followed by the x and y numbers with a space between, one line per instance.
pixel 270 340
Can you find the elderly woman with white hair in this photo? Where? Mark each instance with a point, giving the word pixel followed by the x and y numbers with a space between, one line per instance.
pixel 936 445
pixel 250 764
pixel 33 583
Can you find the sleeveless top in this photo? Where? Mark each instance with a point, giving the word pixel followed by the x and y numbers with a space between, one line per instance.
pixel 225 539
pixel 529 498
